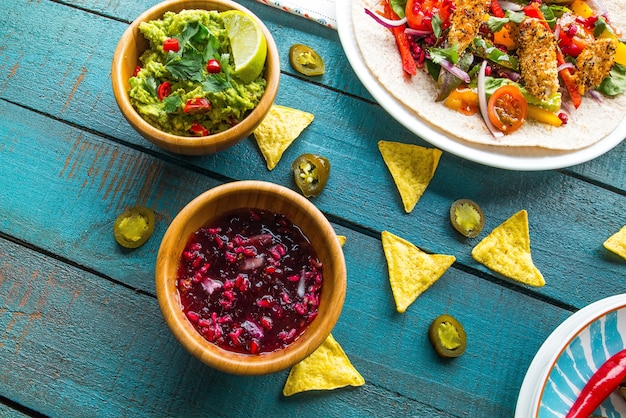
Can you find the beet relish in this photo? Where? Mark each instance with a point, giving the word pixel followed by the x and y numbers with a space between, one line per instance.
pixel 250 281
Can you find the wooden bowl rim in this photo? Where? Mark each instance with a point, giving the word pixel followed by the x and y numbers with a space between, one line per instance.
pixel 178 143
pixel 235 363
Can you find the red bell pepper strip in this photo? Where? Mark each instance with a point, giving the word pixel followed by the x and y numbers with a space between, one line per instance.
pixel 496 9
pixel 532 10
pixel 402 40
pixel 604 381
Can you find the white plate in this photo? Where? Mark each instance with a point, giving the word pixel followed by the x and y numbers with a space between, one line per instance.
pixel 569 356
pixel 523 159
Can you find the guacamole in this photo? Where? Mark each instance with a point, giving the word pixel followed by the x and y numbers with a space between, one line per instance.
pixel 185 84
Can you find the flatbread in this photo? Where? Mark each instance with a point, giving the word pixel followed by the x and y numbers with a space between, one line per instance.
pixel 590 123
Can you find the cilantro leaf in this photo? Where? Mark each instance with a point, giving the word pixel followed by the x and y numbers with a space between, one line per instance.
pixel 398 7
pixel 615 83
pixel 211 47
pixel 439 54
pixel 497 23
pixel 600 27
pixel 186 66
pixel 171 104
pixel 215 83
pixel 150 85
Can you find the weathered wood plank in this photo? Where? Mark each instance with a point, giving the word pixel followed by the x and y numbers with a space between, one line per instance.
pixel 76 344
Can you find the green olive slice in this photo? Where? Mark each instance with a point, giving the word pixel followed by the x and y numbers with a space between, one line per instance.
pixel 306 60
pixel 447 336
pixel 467 217
pixel 133 227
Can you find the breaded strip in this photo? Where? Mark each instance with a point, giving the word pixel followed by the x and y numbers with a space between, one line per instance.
pixel 537 58
pixel 465 22
pixel 594 63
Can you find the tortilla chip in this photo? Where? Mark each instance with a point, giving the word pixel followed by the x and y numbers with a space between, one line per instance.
pixel 617 243
pixel 506 250
pixel 326 368
pixel 278 130
pixel 342 239
pixel 411 271
pixel 412 167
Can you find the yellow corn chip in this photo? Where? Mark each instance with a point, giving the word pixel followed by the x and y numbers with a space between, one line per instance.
pixel 326 368
pixel 617 243
pixel 278 130
pixel 412 167
pixel 506 250
pixel 342 239
pixel 411 271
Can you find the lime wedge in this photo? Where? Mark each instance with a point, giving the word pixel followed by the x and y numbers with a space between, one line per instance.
pixel 248 44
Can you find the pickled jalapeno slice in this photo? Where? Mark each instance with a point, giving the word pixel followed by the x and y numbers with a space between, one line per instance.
pixel 133 227
pixel 467 217
pixel 305 60
pixel 310 173
pixel 447 336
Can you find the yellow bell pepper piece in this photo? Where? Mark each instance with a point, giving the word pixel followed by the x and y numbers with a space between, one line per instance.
pixel 544 116
pixel 581 8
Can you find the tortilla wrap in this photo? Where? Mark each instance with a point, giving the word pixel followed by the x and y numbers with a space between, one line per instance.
pixel 590 123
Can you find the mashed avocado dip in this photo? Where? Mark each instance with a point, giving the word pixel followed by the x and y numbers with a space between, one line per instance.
pixel 185 84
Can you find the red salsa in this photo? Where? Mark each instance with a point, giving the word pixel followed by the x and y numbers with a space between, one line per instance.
pixel 250 281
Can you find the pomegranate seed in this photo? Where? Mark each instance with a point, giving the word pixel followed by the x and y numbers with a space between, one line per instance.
pixel 256 216
pixel 293 278
pixel 226 304
pixel 224 319
pixel 230 257
pixel 253 347
pixel 192 316
pixel 214 231
pixel 564 118
pixel 285 297
pixel 270 269
pixel 265 302
pixel 228 294
pixel 266 322
pixel 205 323
pixel 249 251
pixel 229 284
pixel 300 308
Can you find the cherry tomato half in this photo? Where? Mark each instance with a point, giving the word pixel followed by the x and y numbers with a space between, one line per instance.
pixel 507 108
pixel 419 13
pixel 164 90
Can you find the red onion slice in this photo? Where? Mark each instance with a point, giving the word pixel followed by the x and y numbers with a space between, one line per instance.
pixel 482 102
pixel 388 23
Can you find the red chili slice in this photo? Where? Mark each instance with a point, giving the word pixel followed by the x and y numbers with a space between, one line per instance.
pixel 198 129
pixel 164 90
pixel 197 105
pixel 170 44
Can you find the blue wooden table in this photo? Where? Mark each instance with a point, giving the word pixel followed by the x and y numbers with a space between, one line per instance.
pixel 81 333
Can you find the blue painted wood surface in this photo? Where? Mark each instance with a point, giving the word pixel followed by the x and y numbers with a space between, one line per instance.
pixel 80 329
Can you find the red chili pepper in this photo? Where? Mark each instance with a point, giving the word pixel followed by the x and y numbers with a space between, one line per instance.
pixel 496 9
pixel 198 129
pixel 170 44
pixel 164 90
pixel 213 66
pixel 402 40
pixel 137 69
pixel 197 105
pixel 604 381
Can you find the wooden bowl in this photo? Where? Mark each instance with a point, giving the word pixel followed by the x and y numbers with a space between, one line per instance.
pixel 271 197
pixel 126 57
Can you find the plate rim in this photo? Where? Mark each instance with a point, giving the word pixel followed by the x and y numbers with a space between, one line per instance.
pixel 549 352
pixel 488 155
